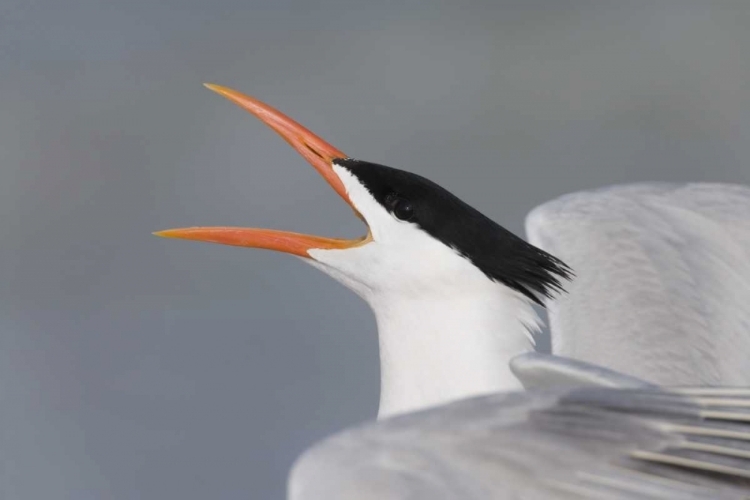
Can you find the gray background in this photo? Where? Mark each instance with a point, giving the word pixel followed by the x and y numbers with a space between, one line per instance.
pixel 133 367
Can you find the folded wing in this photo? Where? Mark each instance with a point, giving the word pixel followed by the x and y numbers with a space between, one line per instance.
pixel 662 287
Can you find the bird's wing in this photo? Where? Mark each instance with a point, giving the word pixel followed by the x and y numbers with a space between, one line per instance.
pixel 541 371
pixel 591 443
pixel 662 285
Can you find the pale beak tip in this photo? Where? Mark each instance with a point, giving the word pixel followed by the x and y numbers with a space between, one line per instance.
pixel 166 233
pixel 219 89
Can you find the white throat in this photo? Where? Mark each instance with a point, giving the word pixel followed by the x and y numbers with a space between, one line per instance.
pixel 445 341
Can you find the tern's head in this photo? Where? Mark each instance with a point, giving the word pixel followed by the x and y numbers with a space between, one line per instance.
pixel 421 239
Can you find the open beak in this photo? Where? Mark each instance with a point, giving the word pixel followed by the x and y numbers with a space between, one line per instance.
pixel 315 150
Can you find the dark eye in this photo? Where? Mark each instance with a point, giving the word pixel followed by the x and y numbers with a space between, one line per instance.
pixel 402 208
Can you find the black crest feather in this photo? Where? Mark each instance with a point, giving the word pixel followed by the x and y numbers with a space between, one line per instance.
pixel 498 253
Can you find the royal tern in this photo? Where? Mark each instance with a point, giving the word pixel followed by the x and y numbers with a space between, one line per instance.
pixel 452 294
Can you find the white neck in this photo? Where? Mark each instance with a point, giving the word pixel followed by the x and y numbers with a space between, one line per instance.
pixel 446 331
pixel 435 350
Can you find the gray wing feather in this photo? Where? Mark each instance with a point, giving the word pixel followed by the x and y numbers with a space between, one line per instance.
pixel 620 444
pixel 540 371
pixel 662 286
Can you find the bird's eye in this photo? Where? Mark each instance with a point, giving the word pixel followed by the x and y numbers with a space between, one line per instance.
pixel 402 209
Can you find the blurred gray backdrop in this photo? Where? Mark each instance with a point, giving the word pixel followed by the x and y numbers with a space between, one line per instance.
pixel 133 367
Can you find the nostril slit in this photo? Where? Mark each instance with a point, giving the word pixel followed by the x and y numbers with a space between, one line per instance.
pixel 314 151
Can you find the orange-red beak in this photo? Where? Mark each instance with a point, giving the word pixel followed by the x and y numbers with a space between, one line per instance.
pixel 315 150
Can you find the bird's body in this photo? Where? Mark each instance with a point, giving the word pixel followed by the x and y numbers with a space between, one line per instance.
pixel 452 294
